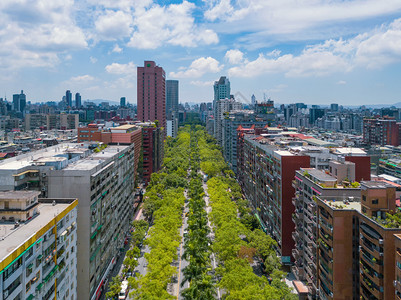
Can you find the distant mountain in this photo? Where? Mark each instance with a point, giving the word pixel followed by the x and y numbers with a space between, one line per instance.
pixel 98 101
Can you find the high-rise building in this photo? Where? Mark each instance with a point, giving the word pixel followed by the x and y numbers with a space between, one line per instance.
pixel 221 108
pixel 123 102
pixel 16 102
pixel 38 246
pixel 153 149
pixel 171 96
pixel 265 173
pixel 222 88
pixel 78 102
pixel 22 101
pixel 103 181
pixel 334 107
pixel 253 100
pixel 68 98
pixel 19 102
pixel 151 93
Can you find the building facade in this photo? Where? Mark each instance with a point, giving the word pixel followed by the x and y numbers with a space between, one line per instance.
pixel 172 96
pixel 38 255
pixel 102 180
pixel 265 174
pixel 151 93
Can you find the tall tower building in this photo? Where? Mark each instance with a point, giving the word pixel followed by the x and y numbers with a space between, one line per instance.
pixel 16 102
pixel 68 98
pixel 78 100
pixel 123 101
pixel 151 93
pixel 22 101
pixel 171 96
pixel 19 102
pixel 253 100
pixel 222 88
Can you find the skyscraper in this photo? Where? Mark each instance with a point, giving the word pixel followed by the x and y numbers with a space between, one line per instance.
pixel 151 93
pixel 171 96
pixel 77 100
pixel 222 88
pixel 16 102
pixel 68 98
pixel 123 102
pixel 19 102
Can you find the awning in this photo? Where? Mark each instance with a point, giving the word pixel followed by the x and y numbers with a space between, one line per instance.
pixel 261 223
pixel 25 172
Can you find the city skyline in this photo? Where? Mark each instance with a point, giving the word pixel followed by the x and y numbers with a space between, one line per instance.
pixel 317 53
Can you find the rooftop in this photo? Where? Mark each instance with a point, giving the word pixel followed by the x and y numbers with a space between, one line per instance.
pixel 319 174
pixel 343 202
pixel 376 184
pixel 86 158
pixel 95 159
pixel 11 237
pixel 18 195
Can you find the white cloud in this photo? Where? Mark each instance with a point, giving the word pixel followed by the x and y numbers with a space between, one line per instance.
pixel 35 33
pixel 114 25
pixel 294 19
pixel 371 50
pixel 117 49
pixel 234 56
pixel 198 68
pixel 93 60
pixel 121 69
pixel 202 83
pixel 220 10
pixel 83 78
pixel 172 24
pixel 341 82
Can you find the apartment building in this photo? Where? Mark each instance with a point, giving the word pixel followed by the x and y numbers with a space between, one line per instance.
pixel 102 180
pixel 358 244
pixel 51 121
pixel 310 183
pixel 38 247
pixel 397 281
pixel 265 175
pixel 382 132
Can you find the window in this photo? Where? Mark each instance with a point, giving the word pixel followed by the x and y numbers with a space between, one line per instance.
pixel 376 201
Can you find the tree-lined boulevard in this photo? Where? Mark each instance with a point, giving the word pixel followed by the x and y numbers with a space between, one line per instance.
pixel 203 241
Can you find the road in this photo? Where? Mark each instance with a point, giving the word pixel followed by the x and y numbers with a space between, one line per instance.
pixel 211 235
pixel 117 269
pixel 182 263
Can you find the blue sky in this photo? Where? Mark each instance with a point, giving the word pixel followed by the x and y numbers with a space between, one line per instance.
pixel 312 51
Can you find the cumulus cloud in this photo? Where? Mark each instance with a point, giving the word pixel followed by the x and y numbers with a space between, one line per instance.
pixel 234 56
pixel 172 24
pixel 369 50
pixel 117 49
pixel 114 25
pixel 35 33
pixel 198 68
pixel 121 69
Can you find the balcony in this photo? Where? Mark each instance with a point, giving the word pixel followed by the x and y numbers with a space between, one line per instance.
pixel 295 253
pixel 299 272
pixel 295 235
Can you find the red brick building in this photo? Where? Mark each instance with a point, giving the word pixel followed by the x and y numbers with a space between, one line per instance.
pixel 381 132
pixel 151 93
